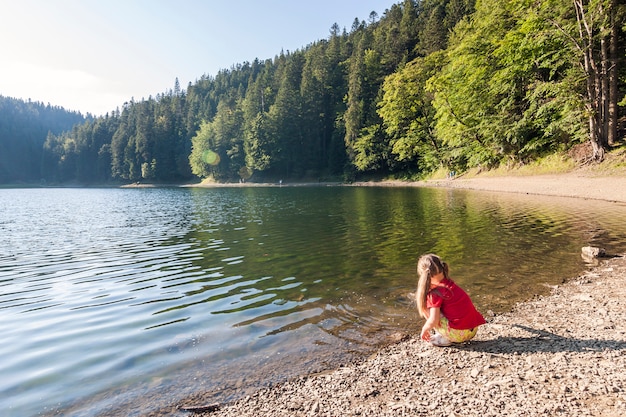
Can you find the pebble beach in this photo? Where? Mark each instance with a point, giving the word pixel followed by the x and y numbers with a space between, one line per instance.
pixel 563 353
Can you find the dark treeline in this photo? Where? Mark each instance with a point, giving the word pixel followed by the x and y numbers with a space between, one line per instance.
pixel 430 84
pixel 24 126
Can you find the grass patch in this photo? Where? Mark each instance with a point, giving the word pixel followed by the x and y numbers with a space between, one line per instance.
pixel 551 164
pixel 440 174
pixel 614 164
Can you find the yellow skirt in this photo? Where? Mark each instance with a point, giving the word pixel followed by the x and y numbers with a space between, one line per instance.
pixel 455 335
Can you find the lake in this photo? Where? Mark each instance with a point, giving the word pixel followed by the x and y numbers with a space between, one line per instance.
pixel 123 301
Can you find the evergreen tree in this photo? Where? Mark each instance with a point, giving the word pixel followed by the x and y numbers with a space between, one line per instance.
pixel 24 128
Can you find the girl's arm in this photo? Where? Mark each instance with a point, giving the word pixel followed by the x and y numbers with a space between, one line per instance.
pixel 431 323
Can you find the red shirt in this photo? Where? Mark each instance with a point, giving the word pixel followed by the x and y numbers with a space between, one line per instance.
pixel 455 305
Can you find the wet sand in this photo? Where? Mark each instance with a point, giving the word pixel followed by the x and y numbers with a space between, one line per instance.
pixel 558 354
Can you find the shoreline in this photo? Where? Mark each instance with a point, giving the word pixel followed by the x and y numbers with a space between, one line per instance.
pixel 562 353
pixel 609 186
pixel 559 354
pixel 575 184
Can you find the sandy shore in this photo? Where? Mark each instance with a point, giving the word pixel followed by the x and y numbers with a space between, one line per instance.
pixel 575 184
pixel 564 185
pixel 559 354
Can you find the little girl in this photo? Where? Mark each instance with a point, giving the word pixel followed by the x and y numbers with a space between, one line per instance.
pixel 448 309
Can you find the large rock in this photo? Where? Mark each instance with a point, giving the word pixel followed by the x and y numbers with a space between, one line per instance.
pixel 592 252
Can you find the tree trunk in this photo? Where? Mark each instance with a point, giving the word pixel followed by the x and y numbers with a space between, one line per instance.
pixel 596 146
pixel 604 88
pixel 613 77
pixel 594 49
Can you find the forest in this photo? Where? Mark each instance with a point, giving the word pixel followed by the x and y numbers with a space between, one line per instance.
pixel 24 126
pixel 429 85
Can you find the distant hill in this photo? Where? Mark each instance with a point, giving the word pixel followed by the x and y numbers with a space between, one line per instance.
pixel 24 126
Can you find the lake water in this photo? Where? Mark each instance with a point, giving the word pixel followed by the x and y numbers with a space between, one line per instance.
pixel 124 301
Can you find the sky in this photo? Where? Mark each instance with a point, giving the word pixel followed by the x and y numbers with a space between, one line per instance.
pixel 93 56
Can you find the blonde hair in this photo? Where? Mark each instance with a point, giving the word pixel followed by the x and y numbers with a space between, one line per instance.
pixel 427 266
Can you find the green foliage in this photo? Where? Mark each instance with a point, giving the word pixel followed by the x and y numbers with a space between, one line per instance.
pixel 371 151
pixel 510 89
pixel 407 111
pixel 475 93
pixel 436 20
pixel 202 158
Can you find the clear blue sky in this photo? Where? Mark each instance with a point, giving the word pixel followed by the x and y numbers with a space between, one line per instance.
pixel 93 55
